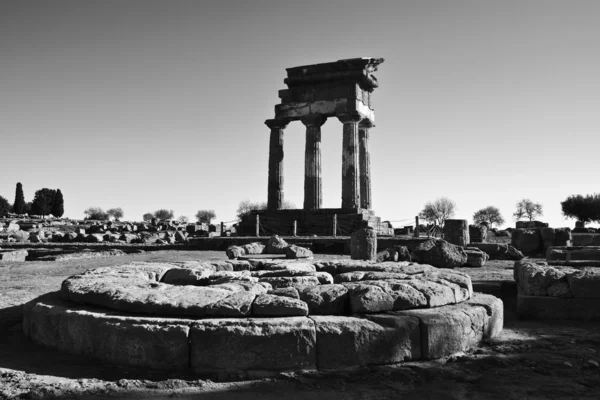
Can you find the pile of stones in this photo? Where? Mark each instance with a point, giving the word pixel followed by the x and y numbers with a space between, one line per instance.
pixel 66 231
pixel 246 318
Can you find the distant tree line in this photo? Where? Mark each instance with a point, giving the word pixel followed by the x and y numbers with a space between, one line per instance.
pixel 45 202
pixel 97 213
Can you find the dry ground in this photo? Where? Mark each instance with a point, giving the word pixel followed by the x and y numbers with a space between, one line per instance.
pixel 530 360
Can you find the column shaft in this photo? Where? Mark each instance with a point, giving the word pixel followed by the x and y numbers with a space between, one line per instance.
pixel 365 166
pixel 350 166
pixel 313 186
pixel 275 184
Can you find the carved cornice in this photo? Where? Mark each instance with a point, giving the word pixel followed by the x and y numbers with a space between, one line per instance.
pixel 366 124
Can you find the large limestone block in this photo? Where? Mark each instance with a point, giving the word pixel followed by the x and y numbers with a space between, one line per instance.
pixel 188 276
pixel 448 330
pixel 369 299
pixel 13 255
pixel 276 245
pixel 495 313
pixel 403 267
pixel 437 294
pixel 252 347
pixel 141 296
pixel 295 252
pixel 134 341
pixel 527 241
pixel 254 248
pixel 237 304
pixel 363 245
pixel 585 283
pixel 271 305
pixel 345 342
pixel 535 279
pixel 440 254
pixel 456 231
pixel 234 252
pixel 403 295
pixel 476 258
pixel 326 299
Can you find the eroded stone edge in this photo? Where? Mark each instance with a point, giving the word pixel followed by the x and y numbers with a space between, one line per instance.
pixel 479 318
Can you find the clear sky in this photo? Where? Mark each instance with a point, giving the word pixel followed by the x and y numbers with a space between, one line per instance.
pixel 161 104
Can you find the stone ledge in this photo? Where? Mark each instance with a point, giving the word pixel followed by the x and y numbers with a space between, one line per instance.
pixel 236 348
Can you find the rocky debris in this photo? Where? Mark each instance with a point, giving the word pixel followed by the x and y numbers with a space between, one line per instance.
pixel 326 299
pixel 253 248
pixel 234 252
pixel 395 254
pixel 440 254
pixel 363 244
pixel 526 241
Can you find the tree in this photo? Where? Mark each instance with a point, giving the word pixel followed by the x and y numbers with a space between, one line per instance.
pixel 43 201
pixel 583 208
pixel 27 208
pixel 528 209
pixel 246 206
pixel 58 206
pixel 95 213
pixel 147 217
pixel 205 216
pixel 438 211
pixel 19 205
pixel 116 213
pixel 183 219
pixel 4 207
pixel 163 214
pixel 489 215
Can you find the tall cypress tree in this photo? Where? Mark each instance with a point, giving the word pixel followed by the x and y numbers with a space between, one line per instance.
pixel 58 207
pixel 19 205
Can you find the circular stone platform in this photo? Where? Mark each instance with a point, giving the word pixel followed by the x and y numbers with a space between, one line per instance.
pixel 250 318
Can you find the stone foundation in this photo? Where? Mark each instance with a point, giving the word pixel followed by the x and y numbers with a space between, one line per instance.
pixel 179 317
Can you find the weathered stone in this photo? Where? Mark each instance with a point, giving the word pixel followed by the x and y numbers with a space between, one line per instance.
pixel 269 305
pixel 235 252
pixel 95 238
pixel 189 276
pixel 495 313
pixel 13 255
pixel 437 294
pixel 237 304
pixel 344 342
pixel 363 245
pixel 252 346
pixel 253 248
pixel 276 245
pixel 475 257
pixel 395 254
pixel 449 329
pixel 294 281
pixel 326 299
pixel 324 278
pixel 440 254
pixel 585 283
pixel 478 233
pixel 295 252
pixel 128 237
pixel 526 241
pixel 220 277
pixel 562 237
pixel 286 292
pixel 133 341
pixel 403 295
pixel 535 279
pixel 456 231
pixel 369 299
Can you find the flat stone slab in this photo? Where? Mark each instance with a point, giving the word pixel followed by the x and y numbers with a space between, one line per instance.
pixel 237 348
pixel 13 255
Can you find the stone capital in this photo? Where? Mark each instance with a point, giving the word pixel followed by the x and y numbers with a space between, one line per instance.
pixel 314 120
pixel 366 124
pixel 277 123
pixel 354 117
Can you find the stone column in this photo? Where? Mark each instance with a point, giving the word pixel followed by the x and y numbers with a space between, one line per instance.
pixel 364 160
pixel 275 186
pixel 313 197
pixel 350 168
pixel 456 231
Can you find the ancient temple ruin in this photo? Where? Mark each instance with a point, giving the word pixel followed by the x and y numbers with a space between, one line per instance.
pixel 340 89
